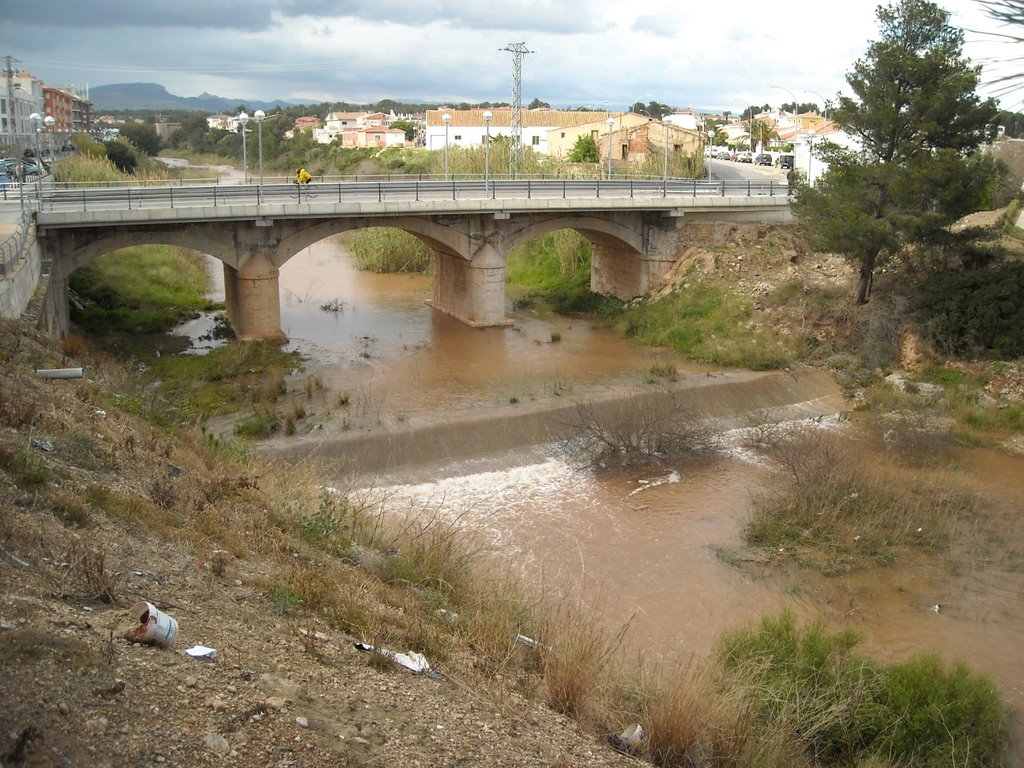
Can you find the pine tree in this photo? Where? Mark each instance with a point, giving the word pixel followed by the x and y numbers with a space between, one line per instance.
pixel 919 123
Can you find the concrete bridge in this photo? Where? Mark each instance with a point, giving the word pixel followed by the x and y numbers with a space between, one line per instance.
pixel 637 229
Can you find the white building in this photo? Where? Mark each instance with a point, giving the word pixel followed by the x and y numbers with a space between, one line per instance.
pixel 20 97
pixel 804 161
pixel 467 127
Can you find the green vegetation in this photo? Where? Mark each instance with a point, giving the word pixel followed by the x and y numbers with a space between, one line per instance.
pixel 585 150
pixel 842 709
pixel 385 249
pixel 556 267
pixel 975 312
pixel 710 324
pixel 142 290
pixel 129 299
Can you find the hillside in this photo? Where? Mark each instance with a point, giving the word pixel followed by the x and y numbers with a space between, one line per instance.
pixel 101 509
pixel 132 96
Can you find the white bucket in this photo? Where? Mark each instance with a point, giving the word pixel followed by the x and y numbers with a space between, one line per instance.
pixel 155 626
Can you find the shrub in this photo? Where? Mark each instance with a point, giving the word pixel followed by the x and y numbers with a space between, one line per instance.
pixel 961 312
pixel 845 709
pixel 934 715
pixel 637 430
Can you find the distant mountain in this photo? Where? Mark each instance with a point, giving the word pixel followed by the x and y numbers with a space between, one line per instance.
pixel 108 98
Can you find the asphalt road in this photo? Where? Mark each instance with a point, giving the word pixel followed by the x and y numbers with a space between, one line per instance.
pixel 727 170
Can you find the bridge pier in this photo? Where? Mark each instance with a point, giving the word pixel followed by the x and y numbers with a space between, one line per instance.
pixel 252 295
pixel 470 291
pixel 626 274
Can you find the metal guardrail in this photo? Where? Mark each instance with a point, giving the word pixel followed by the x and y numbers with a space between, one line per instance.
pixel 14 247
pixel 62 198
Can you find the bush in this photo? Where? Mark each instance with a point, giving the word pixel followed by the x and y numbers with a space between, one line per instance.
pixel 964 312
pixel 845 709
pixel 637 430
pixel 932 715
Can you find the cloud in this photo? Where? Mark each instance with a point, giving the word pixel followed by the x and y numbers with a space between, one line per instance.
pixel 656 25
pixel 582 51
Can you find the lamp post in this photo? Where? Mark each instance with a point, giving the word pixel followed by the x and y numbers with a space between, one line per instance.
pixel 810 156
pixel 446 119
pixel 259 115
pixel 664 178
pixel 48 121
pixel 487 151
pixel 243 118
pixel 36 119
pixel 824 102
pixel 611 122
pixel 779 87
pixel 711 151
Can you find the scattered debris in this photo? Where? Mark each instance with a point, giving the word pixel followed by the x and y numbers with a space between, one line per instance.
pixel 632 740
pixel 201 652
pixel 59 373
pixel 43 445
pixel 671 477
pixel 155 626
pixel 413 661
pixel 529 641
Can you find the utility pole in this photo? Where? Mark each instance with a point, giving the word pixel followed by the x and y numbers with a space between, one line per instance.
pixel 517 50
pixel 11 128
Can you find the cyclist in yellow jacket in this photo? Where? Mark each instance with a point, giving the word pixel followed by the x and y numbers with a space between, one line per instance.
pixel 302 176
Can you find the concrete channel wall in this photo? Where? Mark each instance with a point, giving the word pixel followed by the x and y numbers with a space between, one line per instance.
pixel 19 283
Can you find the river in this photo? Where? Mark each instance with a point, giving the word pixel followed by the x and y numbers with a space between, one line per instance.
pixel 424 410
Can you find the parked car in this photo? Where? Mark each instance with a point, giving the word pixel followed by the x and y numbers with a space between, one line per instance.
pixel 746 157
pixel 785 161
pixel 14 167
pixel 763 159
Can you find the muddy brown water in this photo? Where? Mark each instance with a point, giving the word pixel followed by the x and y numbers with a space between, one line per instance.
pixel 440 415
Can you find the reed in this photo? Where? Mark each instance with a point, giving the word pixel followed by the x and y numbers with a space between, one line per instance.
pixel 388 250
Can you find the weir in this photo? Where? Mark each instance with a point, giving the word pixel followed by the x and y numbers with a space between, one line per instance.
pixel 727 399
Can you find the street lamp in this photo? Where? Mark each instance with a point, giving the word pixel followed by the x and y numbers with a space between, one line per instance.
pixel 665 176
pixel 824 101
pixel 795 107
pixel 48 121
pixel 711 151
pixel 611 123
pixel 36 119
pixel 446 119
pixel 259 115
pixel 243 118
pixel 487 150
pixel 810 156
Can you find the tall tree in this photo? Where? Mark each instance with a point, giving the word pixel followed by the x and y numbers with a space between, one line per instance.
pixel 918 121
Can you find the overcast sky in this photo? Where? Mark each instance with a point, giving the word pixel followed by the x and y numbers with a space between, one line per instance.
pixel 601 53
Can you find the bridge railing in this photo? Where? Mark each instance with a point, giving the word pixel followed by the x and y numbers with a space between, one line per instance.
pixel 396 190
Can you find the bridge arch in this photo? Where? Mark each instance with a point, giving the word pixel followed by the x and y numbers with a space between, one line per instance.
pixel 603 231
pixel 437 236
pixel 77 252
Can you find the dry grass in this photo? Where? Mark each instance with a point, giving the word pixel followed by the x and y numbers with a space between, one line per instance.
pixel 844 510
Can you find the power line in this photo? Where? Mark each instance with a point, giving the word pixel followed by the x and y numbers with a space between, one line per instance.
pixel 515 158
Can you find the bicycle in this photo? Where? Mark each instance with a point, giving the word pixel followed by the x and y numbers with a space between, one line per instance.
pixel 299 186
